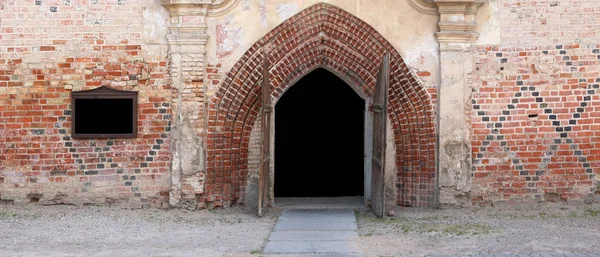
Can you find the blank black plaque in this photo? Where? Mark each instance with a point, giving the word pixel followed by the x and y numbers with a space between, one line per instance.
pixel 104 116
pixel 104 112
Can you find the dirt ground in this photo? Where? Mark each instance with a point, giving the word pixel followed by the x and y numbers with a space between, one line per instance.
pixel 101 231
pixel 418 232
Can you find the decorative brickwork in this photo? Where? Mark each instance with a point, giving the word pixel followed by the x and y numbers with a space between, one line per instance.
pixel 535 120
pixel 48 49
pixel 37 151
pixel 320 36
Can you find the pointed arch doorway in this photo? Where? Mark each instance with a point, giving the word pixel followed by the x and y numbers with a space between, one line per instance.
pixel 304 130
pixel 320 36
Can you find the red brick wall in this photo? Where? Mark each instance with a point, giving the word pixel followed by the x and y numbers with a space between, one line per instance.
pixel 549 22
pixel 536 105
pixel 48 47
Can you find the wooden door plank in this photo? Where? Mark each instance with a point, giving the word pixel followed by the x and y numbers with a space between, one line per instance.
pixel 265 158
pixel 379 137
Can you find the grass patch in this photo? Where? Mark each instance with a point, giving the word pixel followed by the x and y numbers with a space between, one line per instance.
pixel 434 218
pixel 447 229
pixel 468 229
pixel 7 215
pixel 12 214
pixel 540 215
pixel 527 215
pixel 370 224
pixel 591 213
pixel 370 218
pixel 588 213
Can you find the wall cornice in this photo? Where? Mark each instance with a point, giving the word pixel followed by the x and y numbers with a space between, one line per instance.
pixel 457 18
pixel 427 7
pixel 457 21
pixel 217 10
pixel 209 8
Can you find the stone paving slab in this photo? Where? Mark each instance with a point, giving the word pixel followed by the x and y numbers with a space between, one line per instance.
pixel 318 213
pixel 347 226
pixel 316 219
pixel 344 202
pixel 310 247
pixel 314 231
pixel 317 216
pixel 313 235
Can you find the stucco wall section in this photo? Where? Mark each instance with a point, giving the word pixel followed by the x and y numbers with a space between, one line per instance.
pixel 409 31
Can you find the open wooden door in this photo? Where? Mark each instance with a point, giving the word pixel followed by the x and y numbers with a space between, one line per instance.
pixel 265 157
pixel 379 136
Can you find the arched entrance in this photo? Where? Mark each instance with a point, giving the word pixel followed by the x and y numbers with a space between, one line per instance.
pixel 321 36
pixel 319 139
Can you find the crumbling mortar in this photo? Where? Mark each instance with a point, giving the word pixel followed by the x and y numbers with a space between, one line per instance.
pixel 182 79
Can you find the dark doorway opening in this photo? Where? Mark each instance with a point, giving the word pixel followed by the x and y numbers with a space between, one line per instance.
pixel 319 139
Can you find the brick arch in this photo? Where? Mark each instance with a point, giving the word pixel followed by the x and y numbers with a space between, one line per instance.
pixel 319 36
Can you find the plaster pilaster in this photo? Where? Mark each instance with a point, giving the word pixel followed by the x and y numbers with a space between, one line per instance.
pixel 187 40
pixel 456 37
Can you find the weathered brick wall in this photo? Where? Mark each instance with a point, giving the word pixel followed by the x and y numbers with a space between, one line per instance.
pixel 536 104
pixel 549 22
pixel 47 49
pixel 535 111
pixel 254 153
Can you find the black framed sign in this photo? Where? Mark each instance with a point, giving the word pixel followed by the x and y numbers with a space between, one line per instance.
pixel 104 112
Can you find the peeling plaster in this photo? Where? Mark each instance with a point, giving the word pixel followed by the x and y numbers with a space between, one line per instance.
pixel 284 11
pixel 455 174
pixel 411 33
pixel 228 38
pixel 155 19
pixel 488 23
pixel 262 8
pixel 390 169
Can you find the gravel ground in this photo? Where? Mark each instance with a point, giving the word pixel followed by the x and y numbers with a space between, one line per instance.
pixel 413 232
pixel 101 231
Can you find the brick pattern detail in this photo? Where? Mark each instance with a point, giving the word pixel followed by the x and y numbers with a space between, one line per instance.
pixel 49 47
pixel 536 123
pixel 542 22
pixel 36 149
pixel 321 35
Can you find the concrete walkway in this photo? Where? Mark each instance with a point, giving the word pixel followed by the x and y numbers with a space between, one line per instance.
pixel 343 202
pixel 314 231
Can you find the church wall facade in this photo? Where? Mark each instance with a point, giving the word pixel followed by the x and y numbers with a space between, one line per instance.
pixel 512 86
